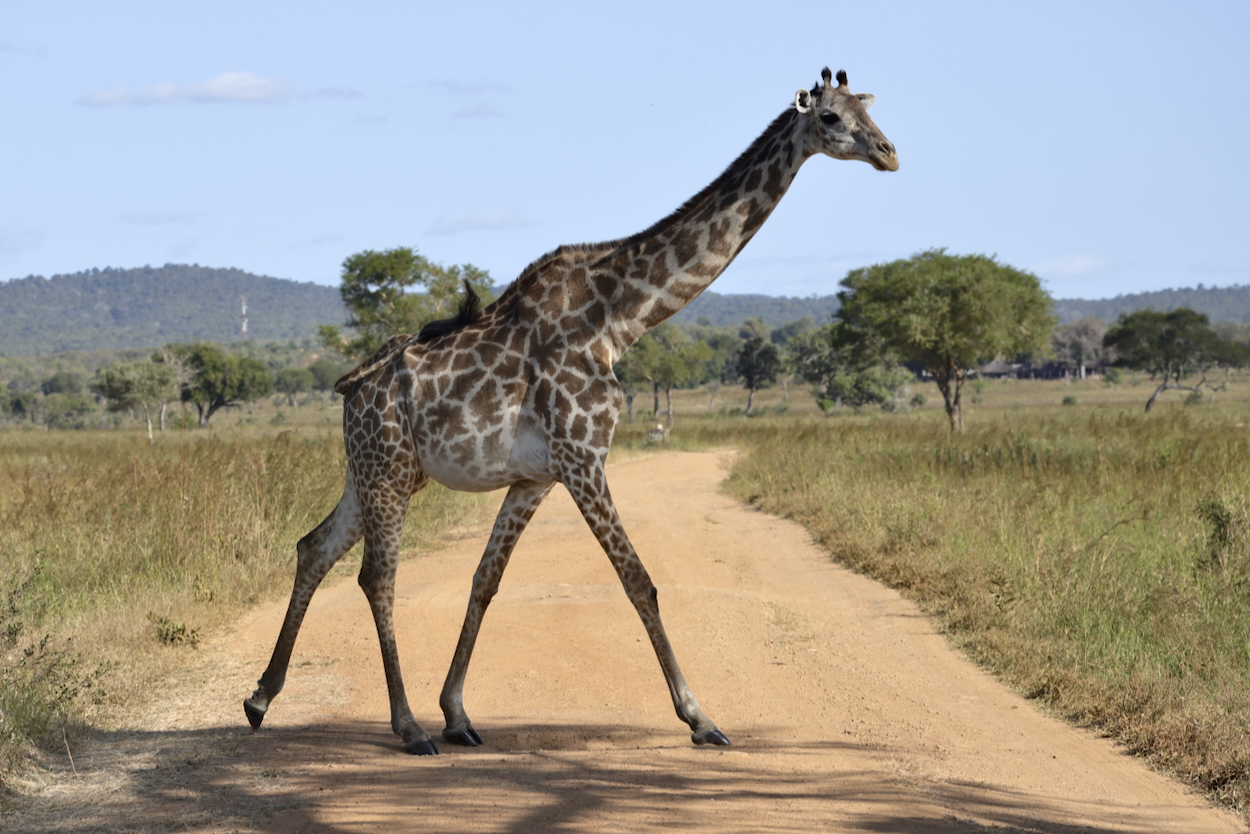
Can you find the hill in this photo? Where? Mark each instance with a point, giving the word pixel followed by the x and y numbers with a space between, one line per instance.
pixel 1218 303
pixel 112 309
pixel 732 310
pixel 115 309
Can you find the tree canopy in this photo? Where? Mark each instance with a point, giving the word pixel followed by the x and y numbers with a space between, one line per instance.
pixel 756 364
pixel 396 291
pixel 1172 346
pixel 946 313
pixel 219 380
pixel 128 385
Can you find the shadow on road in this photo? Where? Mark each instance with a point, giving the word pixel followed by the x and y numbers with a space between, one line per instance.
pixel 526 778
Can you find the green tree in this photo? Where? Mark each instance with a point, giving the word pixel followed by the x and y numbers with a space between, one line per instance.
pixel 631 371
pixel 847 371
pixel 64 411
pixel 1172 346
pixel 63 382
pixel 219 380
pixel 326 372
pixel 756 365
pixel 292 382
pixel 677 361
pixel 396 291
pixel 129 385
pixel 1080 343
pixel 946 313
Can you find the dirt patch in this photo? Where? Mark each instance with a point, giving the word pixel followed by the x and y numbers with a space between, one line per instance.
pixel 846 710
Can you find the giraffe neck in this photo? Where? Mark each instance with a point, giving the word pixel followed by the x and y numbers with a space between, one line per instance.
pixel 664 268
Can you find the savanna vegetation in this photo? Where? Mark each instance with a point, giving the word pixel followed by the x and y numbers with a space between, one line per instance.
pixel 1094 556
pixel 117 554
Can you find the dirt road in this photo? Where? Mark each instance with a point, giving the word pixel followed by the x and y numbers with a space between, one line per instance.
pixel 847 712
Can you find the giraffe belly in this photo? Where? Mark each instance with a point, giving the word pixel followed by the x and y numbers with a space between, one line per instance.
pixel 483 464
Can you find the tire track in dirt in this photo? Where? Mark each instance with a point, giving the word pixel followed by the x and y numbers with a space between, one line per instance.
pixel 847 711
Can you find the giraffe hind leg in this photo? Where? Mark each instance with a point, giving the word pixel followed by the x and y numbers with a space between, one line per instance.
pixel 316 552
pixel 385 505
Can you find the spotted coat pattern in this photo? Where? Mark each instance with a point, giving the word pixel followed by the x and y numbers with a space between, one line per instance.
pixel 525 397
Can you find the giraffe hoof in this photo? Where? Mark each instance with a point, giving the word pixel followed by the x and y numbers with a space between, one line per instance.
pixel 713 736
pixel 255 714
pixel 422 747
pixel 468 736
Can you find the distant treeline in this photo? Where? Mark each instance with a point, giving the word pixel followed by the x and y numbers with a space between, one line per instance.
pixel 1220 304
pixel 116 309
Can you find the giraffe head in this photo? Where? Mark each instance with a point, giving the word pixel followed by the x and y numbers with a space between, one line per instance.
pixel 839 124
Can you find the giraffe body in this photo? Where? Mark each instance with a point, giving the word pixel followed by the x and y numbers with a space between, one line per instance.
pixel 524 397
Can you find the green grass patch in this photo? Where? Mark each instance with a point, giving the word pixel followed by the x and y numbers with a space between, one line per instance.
pixel 1095 559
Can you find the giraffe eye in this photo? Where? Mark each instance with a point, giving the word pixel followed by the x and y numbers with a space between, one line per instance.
pixel 830 119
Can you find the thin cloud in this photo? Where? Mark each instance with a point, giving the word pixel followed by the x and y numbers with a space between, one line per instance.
pixel 14 240
pixel 227 88
pixel 490 221
pixel 481 110
pixel 469 88
pixel 338 93
pixel 1233 265
pixel 1071 265
pixel 158 218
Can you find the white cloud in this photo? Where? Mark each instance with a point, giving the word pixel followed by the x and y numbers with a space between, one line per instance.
pixel 486 221
pixel 14 240
pixel 1071 265
pixel 229 87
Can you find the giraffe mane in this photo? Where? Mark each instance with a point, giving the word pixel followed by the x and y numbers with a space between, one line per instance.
pixel 469 312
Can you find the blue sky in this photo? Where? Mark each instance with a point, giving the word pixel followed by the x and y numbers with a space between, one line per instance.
pixel 1096 144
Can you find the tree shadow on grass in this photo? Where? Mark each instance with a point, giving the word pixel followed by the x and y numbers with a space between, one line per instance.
pixel 526 778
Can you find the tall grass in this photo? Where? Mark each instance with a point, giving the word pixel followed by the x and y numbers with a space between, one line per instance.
pixel 109 546
pixel 1097 560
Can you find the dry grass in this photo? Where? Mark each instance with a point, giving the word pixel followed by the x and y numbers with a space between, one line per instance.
pixel 1095 557
pixel 126 554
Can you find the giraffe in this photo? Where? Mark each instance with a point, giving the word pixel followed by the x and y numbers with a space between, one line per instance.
pixel 522 395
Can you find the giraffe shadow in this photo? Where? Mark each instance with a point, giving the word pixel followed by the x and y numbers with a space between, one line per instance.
pixel 525 778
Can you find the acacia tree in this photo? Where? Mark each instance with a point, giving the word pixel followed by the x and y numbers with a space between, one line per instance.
pixel 1080 343
pixel 129 385
pixel 845 370
pixel 666 357
pixel 219 380
pixel 756 364
pixel 396 291
pixel 1172 345
pixel 292 382
pixel 946 313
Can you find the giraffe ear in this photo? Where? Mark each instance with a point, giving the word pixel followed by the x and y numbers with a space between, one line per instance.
pixel 803 101
pixel 866 99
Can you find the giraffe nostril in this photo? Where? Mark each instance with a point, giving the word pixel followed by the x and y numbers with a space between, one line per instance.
pixel 885 147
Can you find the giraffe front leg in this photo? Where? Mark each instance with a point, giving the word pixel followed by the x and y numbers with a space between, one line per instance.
pixel 589 489
pixel 518 508
pixel 316 553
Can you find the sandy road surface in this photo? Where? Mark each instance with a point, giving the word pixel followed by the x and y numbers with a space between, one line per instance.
pixel 846 711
